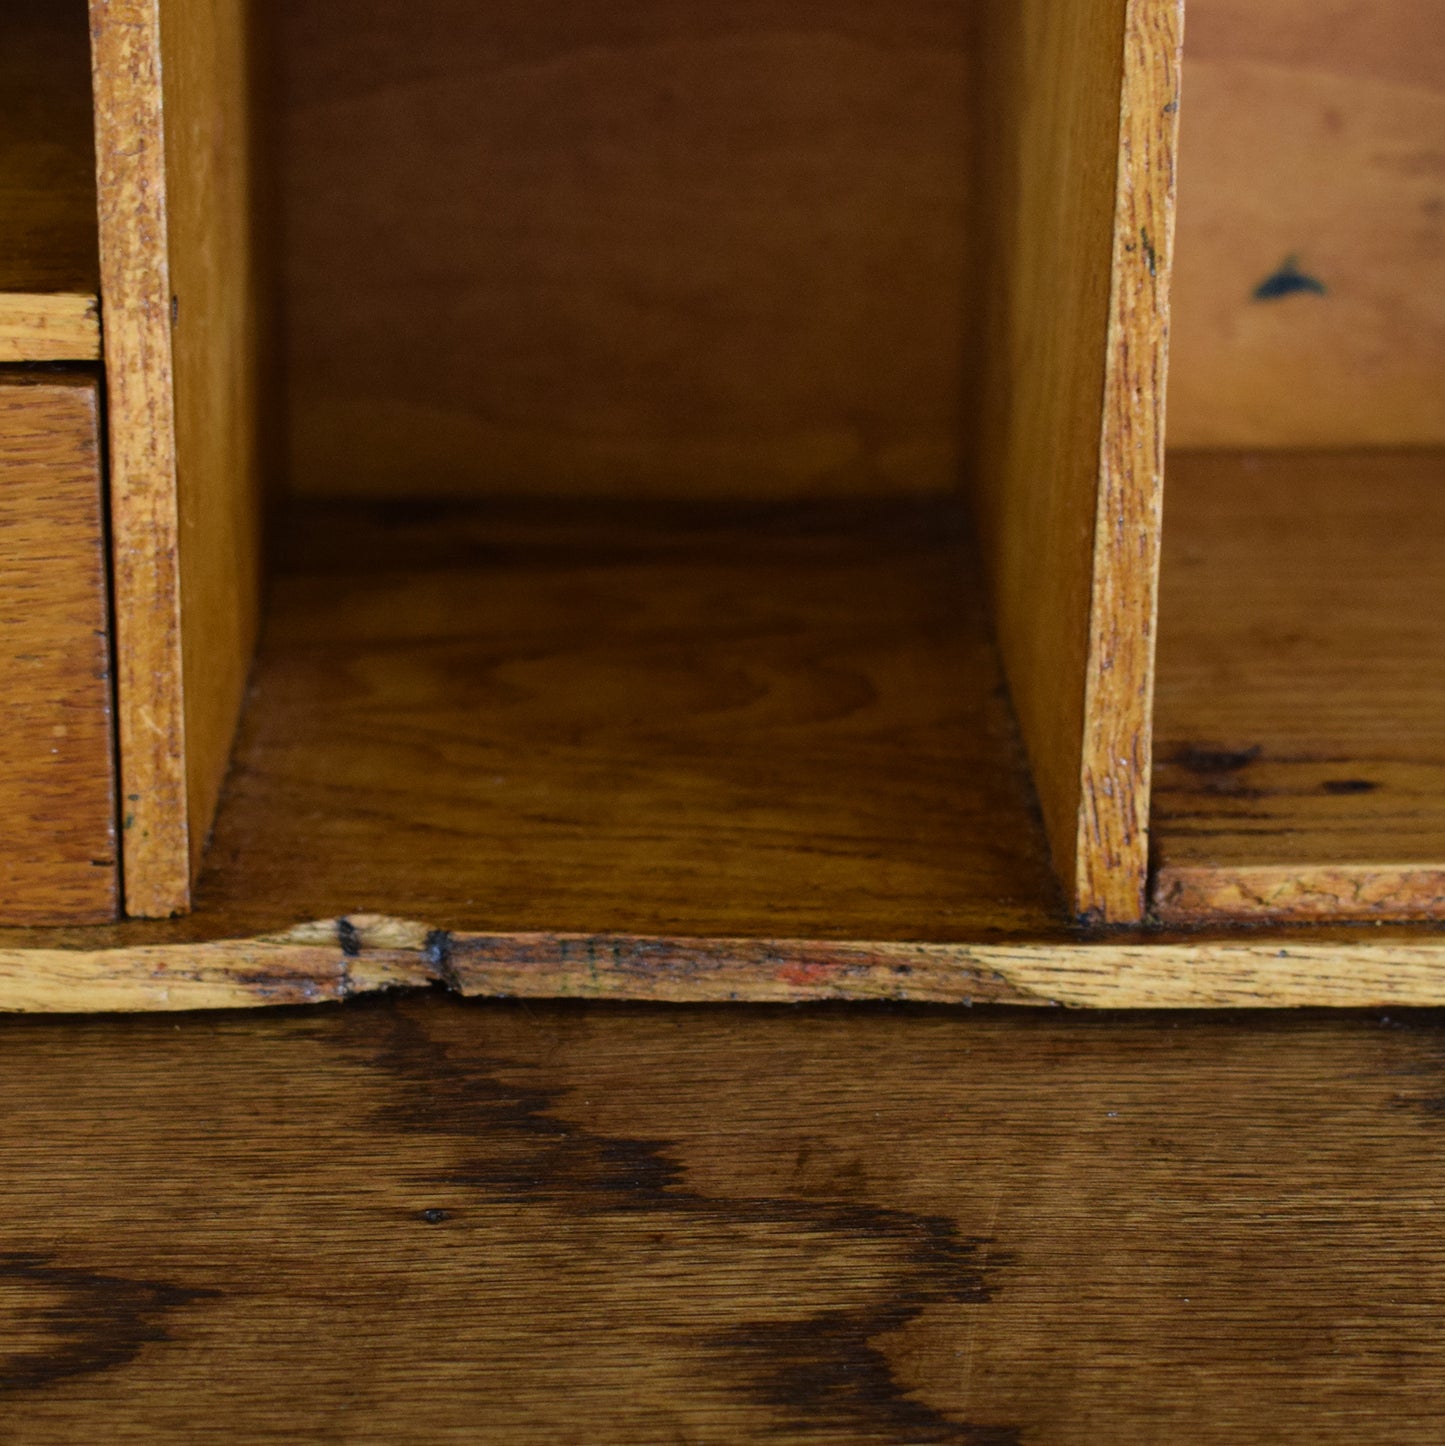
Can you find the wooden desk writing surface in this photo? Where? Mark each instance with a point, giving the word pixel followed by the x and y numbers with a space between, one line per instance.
pixel 435 1222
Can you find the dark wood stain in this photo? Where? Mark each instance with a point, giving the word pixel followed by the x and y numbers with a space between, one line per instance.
pixel 90 1321
pixel 397 1219
pixel 821 1374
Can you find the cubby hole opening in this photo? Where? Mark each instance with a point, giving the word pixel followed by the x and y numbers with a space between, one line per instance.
pixel 624 580
pixel 1300 708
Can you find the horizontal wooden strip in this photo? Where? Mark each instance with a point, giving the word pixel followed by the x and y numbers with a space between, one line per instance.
pixel 46 327
pixel 1289 893
pixel 337 959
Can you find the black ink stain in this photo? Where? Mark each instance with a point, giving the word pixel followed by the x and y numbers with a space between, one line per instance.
pixel 1215 760
pixel 1286 281
pixel 96 1322
pixel 821 1373
pixel 348 937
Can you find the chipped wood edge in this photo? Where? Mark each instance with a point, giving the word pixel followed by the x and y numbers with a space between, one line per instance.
pixel 145 523
pixel 49 327
pixel 1294 893
pixel 1112 849
pixel 337 959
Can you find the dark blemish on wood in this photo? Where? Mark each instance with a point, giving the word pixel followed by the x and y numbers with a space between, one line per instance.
pixel 1348 785
pixel 175 309
pixel 843 1274
pixel 348 937
pixel 437 952
pixel 280 986
pixel 435 1216
pixel 1149 251
pixel 1215 760
pixel 1288 280
pixel 86 1322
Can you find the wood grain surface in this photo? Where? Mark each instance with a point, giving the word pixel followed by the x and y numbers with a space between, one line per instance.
pixel 674 248
pixel 57 771
pixel 1078 137
pixel 440 1222
pixel 779 720
pixel 193 963
pixel 1312 129
pixel 49 265
pixel 1300 715
pixel 175 222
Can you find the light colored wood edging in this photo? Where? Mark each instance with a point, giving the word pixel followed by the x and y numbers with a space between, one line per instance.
pixel 45 327
pixel 1288 893
pixel 337 959
pixel 145 524
pixel 1116 766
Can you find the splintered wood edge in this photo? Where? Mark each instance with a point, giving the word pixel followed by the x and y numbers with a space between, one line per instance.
pixel 336 959
pixel 1111 851
pixel 1288 893
pixel 45 327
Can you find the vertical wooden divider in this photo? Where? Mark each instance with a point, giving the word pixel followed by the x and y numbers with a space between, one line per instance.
pixel 1081 102
pixel 179 303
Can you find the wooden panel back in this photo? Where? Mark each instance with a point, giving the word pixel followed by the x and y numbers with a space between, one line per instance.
pixel 177 274
pixel 658 247
pixel 57 787
pixel 1313 157
pixel 1079 130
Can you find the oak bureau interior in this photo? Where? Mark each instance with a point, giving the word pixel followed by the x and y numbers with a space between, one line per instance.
pixel 690 476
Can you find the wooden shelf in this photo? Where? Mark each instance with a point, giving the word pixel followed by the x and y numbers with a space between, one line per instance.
pixel 49 260
pixel 1300 717
pixel 742 721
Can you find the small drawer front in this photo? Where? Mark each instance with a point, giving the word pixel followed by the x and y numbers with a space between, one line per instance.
pixel 58 861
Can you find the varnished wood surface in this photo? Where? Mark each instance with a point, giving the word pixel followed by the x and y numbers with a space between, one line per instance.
pixel 57 773
pixel 1076 210
pixel 769 721
pixel 1313 129
pixel 216 211
pixel 440 1222
pixel 174 162
pixel 1300 716
pixel 675 248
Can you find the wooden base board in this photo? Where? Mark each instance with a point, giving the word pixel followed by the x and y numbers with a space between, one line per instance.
pixel 338 959
pixel 1300 714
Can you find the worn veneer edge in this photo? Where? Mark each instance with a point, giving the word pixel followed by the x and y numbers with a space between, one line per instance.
pixel 338 959
pixel 1294 893
pixel 145 521
pixel 49 327
pixel 1111 850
